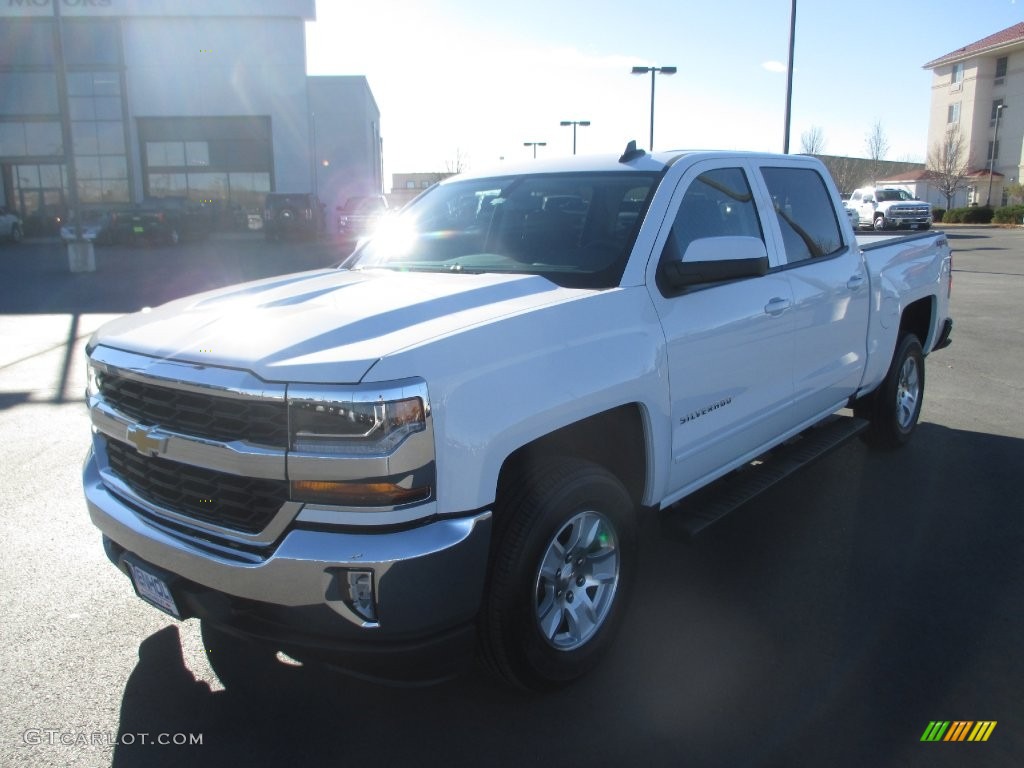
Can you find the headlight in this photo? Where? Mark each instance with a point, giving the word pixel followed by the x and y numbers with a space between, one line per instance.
pixel 362 446
pixel 349 427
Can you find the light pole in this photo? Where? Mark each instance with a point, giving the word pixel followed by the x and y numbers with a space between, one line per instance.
pixel 535 144
pixel 574 123
pixel 992 154
pixel 653 71
pixel 789 76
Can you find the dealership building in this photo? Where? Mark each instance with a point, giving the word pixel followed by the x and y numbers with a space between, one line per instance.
pixel 204 100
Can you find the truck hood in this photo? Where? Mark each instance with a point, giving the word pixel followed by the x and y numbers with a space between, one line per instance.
pixel 327 325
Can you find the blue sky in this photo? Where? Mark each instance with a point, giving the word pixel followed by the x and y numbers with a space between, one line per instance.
pixel 477 79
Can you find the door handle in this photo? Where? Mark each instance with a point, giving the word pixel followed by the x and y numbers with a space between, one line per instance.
pixel 776 306
pixel 856 282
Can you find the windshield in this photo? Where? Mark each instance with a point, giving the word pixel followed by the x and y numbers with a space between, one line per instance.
pixel 894 194
pixel 576 229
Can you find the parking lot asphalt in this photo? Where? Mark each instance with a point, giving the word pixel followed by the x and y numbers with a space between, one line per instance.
pixel 825 623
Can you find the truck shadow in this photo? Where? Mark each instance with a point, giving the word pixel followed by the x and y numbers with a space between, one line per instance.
pixel 879 591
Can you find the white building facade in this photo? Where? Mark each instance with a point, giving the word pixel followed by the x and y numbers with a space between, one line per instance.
pixel 209 101
pixel 980 89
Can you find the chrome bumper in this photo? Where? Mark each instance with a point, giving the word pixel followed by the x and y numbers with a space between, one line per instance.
pixel 425 579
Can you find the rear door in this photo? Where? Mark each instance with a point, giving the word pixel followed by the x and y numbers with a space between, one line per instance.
pixel 829 284
pixel 730 344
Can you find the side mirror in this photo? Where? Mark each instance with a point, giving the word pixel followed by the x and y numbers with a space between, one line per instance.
pixel 714 260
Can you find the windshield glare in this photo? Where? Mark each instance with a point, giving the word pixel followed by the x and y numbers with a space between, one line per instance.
pixel 575 229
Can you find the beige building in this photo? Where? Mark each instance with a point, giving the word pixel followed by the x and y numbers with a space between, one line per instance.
pixel 406 186
pixel 980 88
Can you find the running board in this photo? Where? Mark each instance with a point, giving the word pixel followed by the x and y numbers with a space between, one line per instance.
pixel 711 503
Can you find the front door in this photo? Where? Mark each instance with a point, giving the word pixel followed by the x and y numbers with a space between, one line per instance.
pixel 729 345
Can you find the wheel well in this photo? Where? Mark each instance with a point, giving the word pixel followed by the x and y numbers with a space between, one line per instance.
pixel 613 439
pixel 917 319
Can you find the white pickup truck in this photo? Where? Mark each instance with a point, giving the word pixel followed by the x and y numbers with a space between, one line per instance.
pixel 890 208
pixel 445 444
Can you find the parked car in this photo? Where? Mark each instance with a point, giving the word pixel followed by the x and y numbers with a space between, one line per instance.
pixel 447 443
pixel 96 227
pixel 293 215
pixel 10 226
pixel 160 221
pixel 358 217
pixel 890 208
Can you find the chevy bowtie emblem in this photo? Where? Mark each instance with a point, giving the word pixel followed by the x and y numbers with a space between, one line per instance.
pixel 148 441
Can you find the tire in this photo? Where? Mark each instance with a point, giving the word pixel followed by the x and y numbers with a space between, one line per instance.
pixel 894 408
pixel 249 668
pixel 926 225
pixel 563 559
pixel 880 223
pixel 15 234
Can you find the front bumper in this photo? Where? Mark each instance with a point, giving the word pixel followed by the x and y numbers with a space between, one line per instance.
pixel 427 585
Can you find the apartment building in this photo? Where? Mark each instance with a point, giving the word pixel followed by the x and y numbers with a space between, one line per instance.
pixel 980 89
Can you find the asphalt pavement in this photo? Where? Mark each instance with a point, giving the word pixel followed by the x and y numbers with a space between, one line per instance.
pixel 825 623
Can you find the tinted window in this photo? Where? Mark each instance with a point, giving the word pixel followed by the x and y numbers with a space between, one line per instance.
pixel 805 213
pixel 717 203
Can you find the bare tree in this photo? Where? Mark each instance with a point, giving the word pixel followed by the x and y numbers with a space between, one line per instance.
pixel 458 164
pixel 1015 193
pixel 948 163
pixel 845 172
pixel 878 146
pixel 812 141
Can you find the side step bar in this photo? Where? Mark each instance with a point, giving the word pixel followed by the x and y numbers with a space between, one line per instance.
pixel 693 514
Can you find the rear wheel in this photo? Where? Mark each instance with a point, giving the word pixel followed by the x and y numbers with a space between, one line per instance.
pixel 894 408
pixel 563 560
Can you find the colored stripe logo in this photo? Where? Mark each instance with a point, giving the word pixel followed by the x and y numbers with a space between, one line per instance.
pixel 958 730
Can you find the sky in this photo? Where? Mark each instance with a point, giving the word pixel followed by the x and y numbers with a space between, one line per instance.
pixel 466 83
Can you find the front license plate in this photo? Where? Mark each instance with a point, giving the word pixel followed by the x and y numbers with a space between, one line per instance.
pixel 139 230
pixel 153 589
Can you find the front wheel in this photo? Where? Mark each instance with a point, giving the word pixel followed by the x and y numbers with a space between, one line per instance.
pixel 563 560
pixel 880 223
pixel 894 408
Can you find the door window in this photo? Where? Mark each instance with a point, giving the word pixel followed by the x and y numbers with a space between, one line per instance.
pixel 718 203
pixel 805 213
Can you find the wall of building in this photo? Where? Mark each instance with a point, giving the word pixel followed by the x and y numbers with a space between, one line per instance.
pixel 346 124
pixel 177 98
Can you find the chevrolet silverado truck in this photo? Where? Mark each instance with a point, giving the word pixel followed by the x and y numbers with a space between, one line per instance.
pixel 441 449
pixel 889 208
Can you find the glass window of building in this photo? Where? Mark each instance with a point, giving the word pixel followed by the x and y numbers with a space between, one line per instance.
pixel 26 43
pixel 29 93
pixel 43 139
pixel 91 43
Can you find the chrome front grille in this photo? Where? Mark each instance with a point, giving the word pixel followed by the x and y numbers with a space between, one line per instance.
pixel 192 413
pixel 238 503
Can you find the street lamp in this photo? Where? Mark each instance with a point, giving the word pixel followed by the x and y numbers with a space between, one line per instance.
pixel 653 71
pixel 992 154
pixel 574 123
pixel 535 144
